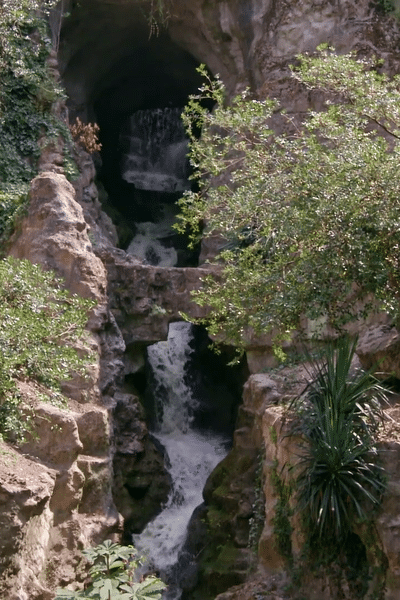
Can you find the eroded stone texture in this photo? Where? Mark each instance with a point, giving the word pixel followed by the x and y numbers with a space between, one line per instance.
pixel 55 235
pixel 379 349
pixel 54 438
pixel 25 521
pixel 145 299
pixel 230 496
pixel 141 483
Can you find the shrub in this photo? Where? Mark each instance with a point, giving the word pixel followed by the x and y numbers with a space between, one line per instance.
pixel 40 324
pixel 339 479
pixel 86 134
pixel 113 576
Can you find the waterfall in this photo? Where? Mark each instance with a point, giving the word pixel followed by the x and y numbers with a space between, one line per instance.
pixel 156 148
pixel 191 455
pixel 148 244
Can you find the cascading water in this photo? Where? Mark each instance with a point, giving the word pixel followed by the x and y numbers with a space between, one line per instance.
pixel 155 160
pixel 191 455
pixel 156 146
pixel 148 242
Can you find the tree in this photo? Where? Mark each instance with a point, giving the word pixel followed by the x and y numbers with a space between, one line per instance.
pixel 311 217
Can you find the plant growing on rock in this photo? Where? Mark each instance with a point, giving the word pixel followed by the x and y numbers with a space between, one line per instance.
pixel 40 324
pixel 310 216
pixel 28 92
pixel 339 480
pixel 86 134
pixel 113 576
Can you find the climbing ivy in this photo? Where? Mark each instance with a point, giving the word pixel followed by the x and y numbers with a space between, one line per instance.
pixel 283 512
pixel 27 95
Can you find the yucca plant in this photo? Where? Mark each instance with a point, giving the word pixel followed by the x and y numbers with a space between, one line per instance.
pixel 340 410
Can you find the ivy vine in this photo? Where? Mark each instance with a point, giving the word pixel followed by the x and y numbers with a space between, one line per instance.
pixel 28 92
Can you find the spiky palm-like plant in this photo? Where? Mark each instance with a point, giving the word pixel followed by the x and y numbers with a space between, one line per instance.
pixel 340 410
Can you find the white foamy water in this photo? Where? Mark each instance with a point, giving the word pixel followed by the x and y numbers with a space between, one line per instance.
pixel 157 148
pixel 192 458
pixel 146 246
pixel 192 455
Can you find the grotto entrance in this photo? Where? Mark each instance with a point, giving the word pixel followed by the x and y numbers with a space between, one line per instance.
pixel 134 85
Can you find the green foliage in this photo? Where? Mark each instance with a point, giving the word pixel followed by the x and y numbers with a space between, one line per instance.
pixel 311 216
pixel 339 481
pixel 387 7
pixel 283 512
pixel 258 519
pixel 113 576
pixel 40 323
pixel 27 93
pixel 159 14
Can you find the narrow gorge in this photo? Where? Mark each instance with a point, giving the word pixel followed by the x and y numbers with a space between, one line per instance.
pixel 165 444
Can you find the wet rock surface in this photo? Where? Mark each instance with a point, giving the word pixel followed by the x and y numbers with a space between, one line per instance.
pixel 141 482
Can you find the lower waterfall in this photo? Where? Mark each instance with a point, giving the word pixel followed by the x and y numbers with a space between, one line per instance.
pixel 191 455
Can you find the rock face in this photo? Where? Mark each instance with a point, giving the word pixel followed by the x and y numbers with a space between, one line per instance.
pixel 46 519
pixel 234 502
pixel 141 484
pixel 69 505
pixel 278 546
pixel 145 299
pixel 97 460
pixel 55 234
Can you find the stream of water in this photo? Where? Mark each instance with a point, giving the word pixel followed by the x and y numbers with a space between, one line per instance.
pixel 191 455
pixel 156 147
pixel 155 160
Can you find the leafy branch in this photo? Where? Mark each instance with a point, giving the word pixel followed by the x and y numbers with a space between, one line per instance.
pixel 113 576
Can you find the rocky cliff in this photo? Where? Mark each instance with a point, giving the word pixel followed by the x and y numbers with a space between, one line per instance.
pixel 95 465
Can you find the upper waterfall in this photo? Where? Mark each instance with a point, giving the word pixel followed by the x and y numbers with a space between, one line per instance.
pixel 156 148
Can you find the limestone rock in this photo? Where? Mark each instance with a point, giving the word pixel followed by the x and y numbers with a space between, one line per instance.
pixel 102 231
pixel 54 234
pixel 67 491
pixel 94 431
pixel 96 492
pixel 379 348
pixel 230 495
pixel 54 438
pixel 112 349
pixel 25 521
pixel 141 483
pixel 145 299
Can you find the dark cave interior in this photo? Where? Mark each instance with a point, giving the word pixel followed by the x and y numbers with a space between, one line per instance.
pixel 112 70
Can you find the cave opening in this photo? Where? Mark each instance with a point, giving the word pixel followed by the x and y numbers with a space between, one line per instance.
pixel 134 86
